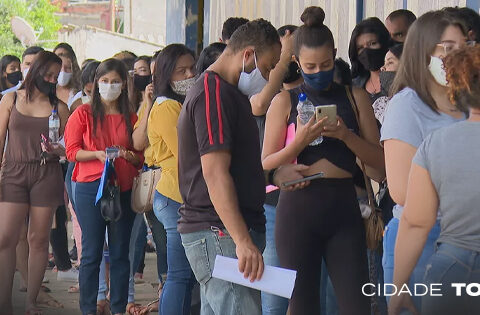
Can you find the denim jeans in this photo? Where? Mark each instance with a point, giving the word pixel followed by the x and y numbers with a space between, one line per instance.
pixel 93 238
pixel 220 297
pixel 389 240
pixel 160 239
pixel 139 232
pixel 272 304
pixel 452 264
pixel 176 295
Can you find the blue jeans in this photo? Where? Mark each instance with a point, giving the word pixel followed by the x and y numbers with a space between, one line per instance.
pixel 93 238
pixel 220 297
pixel 389 240
pixel 138 239
pixel 452 264
pixel 272 304
pixel 176 295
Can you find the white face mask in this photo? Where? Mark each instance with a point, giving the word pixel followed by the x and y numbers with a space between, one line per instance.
pixel 437 70
pixel 85 99
pixel 109 92
pixel 181 87
pixel 25 71
pixel 251 83
pixel 64 78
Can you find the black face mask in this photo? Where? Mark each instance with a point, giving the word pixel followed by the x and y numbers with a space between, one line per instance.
pixel 386 80
pixel 14 77
pixel 141 81
pixel 45 87
pixel 372 59
pixel 293 73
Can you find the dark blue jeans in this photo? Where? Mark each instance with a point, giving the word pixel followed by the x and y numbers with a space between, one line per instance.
pixel 93 237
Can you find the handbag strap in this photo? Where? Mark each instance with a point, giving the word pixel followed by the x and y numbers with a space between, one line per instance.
pixel 368 185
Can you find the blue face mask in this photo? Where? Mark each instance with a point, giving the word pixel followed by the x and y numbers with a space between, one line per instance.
pixel 320 80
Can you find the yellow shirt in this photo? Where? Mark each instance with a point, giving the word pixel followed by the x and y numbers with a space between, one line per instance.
pixel 148 153
pixel 163 150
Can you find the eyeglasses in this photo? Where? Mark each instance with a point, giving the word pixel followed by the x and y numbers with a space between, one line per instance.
pixel 448 47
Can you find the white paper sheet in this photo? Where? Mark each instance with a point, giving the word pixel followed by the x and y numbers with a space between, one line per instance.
pixel 277 281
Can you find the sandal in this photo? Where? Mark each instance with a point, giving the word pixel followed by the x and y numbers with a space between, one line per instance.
pixel 136 309
pixel 103 307
pixel 153 306
pixel 74 289
pixel 45 300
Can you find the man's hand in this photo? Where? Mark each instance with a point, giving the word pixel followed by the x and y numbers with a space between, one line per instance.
pixel 250 260
pixel 286 173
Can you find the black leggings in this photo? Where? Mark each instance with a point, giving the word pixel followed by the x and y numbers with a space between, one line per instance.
pixel 323 221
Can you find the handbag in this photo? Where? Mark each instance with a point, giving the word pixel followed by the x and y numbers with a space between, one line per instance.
pixel 143 189
pixel 374 225
pixel 110 204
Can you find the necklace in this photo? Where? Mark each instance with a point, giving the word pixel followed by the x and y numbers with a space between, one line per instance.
pixel 375 90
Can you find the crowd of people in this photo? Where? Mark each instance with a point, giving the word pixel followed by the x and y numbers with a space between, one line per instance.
pixel 223 132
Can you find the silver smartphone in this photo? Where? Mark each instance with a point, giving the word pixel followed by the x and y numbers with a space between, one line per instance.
pixel 305 179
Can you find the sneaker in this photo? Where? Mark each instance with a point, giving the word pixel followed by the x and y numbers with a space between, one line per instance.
pixel 68 275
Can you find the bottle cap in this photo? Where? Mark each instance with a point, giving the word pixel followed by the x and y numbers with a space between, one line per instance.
pixel 302 97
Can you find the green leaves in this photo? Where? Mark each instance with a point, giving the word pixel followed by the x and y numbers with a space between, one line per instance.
pixel 39 13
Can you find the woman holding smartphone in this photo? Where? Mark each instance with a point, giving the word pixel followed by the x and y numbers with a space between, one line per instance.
pixel 107 122
pixel 174 75
pixel 327 217
pixel 31 183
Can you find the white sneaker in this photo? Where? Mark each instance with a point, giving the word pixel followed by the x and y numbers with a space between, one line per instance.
pixel 68 275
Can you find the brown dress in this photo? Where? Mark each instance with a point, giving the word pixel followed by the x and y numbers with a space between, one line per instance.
pixel 22 178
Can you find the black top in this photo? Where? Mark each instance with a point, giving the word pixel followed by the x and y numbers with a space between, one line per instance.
pixel 334 150
pixel 217 116
pixel 361 82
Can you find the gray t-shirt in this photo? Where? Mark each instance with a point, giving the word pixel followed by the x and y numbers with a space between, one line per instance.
pixel 452 157
pixel 410 120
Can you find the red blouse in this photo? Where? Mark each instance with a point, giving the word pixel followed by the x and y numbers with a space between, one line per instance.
pixel 113 131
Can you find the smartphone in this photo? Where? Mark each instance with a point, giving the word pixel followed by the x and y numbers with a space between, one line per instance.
pixel 305 179
pixel 46 142
pixel 112 153
pixel 329 111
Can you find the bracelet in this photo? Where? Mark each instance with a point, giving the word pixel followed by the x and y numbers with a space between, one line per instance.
pixel 271 175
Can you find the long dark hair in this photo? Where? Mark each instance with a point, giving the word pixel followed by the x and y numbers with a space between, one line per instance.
pixel 76 72
pixel 98 108
pixel 4 62
pixel 38 69
pixel 164 67
pixel 371 25
pixel 422 39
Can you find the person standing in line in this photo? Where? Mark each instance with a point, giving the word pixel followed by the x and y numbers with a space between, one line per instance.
pixel 329 224
pixel 230 26
pixel 397 23
pixel 28 57
pixel 419 106
pixel 368 45
pixel 443 182
pixel 174 76
pixel 11 76
pixel 106 122
pixel 31 181
pixel 68 89
pixel 221 179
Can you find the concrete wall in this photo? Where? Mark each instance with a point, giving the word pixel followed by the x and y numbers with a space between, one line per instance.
pixel 341 15
pixel 91 42
pixel 147 21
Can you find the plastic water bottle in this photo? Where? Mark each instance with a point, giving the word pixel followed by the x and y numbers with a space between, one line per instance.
pixel 305 111
pixel 54 127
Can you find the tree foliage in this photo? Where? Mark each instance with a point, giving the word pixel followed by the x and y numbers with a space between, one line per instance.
pixel 40 15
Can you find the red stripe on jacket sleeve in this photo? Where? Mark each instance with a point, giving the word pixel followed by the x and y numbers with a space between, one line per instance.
pixel 219 109
pixel 207 109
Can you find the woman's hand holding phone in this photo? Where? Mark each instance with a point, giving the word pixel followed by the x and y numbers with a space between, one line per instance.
pixel 305 134
pixel 338 131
